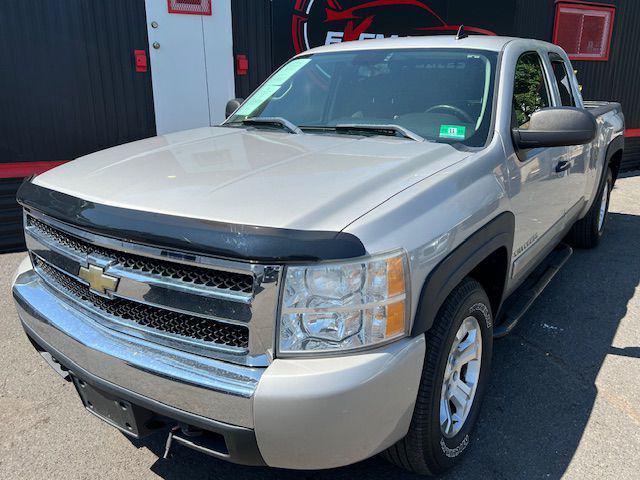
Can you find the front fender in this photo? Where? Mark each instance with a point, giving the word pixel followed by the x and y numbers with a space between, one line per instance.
pixel 434 218
pixel 496 234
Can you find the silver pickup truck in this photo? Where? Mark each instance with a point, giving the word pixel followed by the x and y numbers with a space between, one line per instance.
pixel 320 278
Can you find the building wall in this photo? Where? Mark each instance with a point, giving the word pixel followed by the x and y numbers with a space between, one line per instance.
pixel 68 87
pixel 68 84
pixel 11 236
pixel 252 38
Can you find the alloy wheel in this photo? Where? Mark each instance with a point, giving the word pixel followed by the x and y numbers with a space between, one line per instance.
pixel 461 377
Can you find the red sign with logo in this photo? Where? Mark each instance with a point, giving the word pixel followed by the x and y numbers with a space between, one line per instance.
pixel 298 25
pixel 322 22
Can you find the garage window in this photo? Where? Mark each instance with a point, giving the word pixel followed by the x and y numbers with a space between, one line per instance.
pixel 584 30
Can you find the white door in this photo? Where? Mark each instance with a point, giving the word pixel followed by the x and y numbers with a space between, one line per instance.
pixel 191 65
pixel 218 50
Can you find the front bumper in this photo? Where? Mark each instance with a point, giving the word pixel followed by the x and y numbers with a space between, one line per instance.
pixel 296 413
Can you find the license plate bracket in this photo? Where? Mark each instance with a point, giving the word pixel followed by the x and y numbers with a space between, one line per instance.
pixel 125 416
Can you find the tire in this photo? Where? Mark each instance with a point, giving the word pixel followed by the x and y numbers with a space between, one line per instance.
pixel 426 449
pixel 587 232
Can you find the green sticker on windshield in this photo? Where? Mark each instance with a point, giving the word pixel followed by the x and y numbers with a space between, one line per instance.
pixel 457 132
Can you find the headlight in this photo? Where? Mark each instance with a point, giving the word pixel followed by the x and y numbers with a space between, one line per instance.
pixel 344 306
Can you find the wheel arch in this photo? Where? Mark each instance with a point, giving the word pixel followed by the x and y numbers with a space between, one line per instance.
pixel 485 256
pixel 613 157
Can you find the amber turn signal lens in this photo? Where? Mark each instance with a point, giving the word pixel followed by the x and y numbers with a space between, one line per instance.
pixel 395 319
pixel 395 276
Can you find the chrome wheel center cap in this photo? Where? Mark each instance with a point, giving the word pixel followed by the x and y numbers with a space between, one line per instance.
pixel 461 377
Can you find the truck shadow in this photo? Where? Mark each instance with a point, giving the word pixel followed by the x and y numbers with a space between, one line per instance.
pixel 542 389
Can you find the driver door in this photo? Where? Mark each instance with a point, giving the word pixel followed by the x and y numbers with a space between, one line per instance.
pixel 536 187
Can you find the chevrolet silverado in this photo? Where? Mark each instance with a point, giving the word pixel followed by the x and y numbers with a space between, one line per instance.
pixel 320 278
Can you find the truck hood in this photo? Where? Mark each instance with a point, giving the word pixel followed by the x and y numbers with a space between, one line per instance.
pixel 253 177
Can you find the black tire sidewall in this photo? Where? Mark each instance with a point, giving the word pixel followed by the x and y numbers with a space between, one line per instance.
pixel 446 451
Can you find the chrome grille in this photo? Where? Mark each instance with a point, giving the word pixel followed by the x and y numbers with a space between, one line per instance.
pixel 203 329
pixel 231 281
pixel 219 308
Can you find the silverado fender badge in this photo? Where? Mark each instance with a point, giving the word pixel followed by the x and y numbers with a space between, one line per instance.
pixel 525 245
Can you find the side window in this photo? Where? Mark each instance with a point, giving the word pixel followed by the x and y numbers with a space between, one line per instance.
pixel 530 90
pixel 562 78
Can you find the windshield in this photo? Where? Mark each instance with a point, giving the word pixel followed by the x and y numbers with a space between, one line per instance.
pixel 442 95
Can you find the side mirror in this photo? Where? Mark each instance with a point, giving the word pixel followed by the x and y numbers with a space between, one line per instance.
pixel 556 127
pixel 232 106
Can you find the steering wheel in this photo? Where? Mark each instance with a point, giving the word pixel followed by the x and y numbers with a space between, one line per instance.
pixel 451 109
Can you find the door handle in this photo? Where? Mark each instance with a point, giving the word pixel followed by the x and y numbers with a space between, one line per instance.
pixel 563 165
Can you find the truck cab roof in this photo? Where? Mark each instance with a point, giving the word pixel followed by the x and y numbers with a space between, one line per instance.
pixel 480 42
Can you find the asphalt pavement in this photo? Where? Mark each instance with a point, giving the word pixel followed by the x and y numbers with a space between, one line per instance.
pixel 564 399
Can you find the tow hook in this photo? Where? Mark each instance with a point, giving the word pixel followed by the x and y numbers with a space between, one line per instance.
pixel 203 441
pixel 167 445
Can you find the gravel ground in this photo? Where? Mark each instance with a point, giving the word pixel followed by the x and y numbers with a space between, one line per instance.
pixel 564 400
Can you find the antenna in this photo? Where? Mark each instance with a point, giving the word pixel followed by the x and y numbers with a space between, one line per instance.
pixel 461 33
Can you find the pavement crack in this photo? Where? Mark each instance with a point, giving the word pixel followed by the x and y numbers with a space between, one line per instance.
pixel 610 397
pixel 559 361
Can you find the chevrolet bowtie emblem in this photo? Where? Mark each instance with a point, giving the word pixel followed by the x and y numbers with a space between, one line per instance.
pixel 97 279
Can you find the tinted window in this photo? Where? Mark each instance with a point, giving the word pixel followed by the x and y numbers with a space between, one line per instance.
pixel 562 79
pixel 530 91
pixel 444 95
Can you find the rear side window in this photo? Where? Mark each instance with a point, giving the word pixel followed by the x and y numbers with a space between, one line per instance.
pixel 562 79
pixel 530 89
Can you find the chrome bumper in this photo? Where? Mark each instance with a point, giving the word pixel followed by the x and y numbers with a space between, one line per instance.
pixel 202 386
pixel 264 414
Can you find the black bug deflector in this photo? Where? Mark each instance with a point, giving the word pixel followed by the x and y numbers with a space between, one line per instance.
pixel 243 242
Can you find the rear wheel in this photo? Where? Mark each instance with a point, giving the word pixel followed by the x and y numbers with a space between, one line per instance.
pixel 587 231
pixel 454 378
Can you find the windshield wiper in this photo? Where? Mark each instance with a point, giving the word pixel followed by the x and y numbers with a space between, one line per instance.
pixel 272 121
pixel 390 130
pixel 318 128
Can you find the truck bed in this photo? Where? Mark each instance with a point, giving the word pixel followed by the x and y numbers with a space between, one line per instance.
pixel 598 107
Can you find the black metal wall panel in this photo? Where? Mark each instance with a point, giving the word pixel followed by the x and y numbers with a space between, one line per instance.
pixel 631 157
pixel 251 21
pixel 11 236
pixel 68 85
